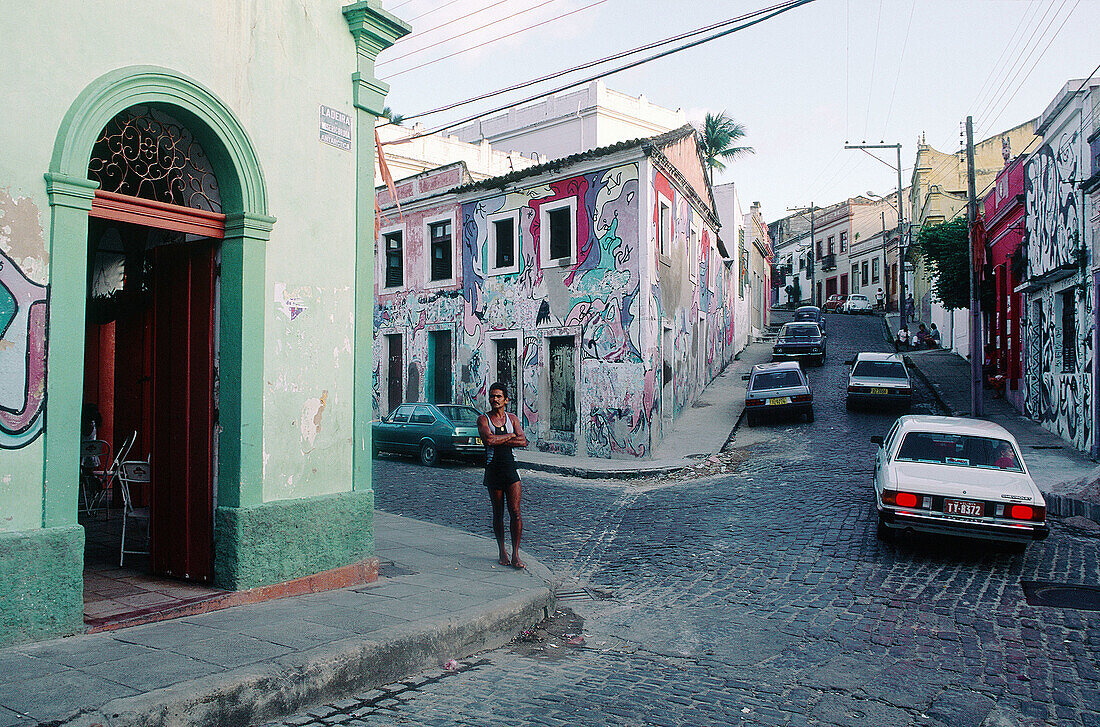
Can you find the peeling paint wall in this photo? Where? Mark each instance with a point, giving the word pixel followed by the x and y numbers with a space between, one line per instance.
pixel 23 334
pixel 599 299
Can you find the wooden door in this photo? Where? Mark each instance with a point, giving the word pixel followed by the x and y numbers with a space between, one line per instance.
pixel 182 508
pixel 563 409
pixel 393 373
pixel 508 370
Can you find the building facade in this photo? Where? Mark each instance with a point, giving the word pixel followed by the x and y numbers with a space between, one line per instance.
pixel 182 290
pixel 595 287
pixel 1058 304
pixel 569 123
pixel 792 282
pixel 733 238
pixel 408 153
pixel 759 250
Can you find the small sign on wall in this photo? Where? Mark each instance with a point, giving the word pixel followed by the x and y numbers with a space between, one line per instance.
pixel 335 128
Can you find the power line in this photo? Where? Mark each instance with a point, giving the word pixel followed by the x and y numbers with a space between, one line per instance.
pixel 633 64
pixel 901 64
pixel 436 10
pixel 474 30
pixel 994 116
pixel 502 37
pixel 874 63
pixel 1013 37
pixel 599 61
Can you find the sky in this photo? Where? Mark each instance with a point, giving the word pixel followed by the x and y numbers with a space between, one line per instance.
pixel 803 83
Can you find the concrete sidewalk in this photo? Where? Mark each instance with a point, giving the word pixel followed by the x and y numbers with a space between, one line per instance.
pixel 1066 476
pixel 440 596
pixel 695 435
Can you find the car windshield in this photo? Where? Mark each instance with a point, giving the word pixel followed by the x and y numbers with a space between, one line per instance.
pixel 879 369
pixel 461 414
pixel 802 331
pixel 959 450
pixel 776 380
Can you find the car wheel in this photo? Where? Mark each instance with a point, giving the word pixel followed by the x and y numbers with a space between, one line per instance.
pixel 810 415
pixel 750 419
pixel 848 404
pixel 429 454
pixel 884 533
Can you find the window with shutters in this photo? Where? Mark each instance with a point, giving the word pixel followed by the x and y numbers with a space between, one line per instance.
pixel 843 240
pixel 504 243
pixel 557 232
pixel 393 243
pixel 440 251
pixel 874 270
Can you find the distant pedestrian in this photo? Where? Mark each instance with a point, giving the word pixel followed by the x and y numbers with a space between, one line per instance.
pixel 880 299
pixel 901 343
pixel 909 308
pixel 501 431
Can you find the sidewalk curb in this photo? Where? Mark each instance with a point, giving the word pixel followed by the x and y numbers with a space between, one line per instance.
pixel 937 393
pixel 591 474
pixel 301 680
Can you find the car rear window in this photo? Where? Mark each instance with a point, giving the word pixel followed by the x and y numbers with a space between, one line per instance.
pixel 857 297
pixel 959 450
pixel 461 414
pixel 806 316
pixel 776 380
pixel 879 369
pixel 800 331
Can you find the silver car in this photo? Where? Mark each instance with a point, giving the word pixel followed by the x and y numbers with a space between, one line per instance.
pixel 777 388
pixel 878 378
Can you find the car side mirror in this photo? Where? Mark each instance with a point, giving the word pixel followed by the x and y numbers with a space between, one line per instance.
pixel 877 441
pixel 849 362
pixel 744 377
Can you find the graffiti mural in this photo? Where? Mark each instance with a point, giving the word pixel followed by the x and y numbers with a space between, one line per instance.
pixel 1059 351
pixel 22 355
pixel 596 297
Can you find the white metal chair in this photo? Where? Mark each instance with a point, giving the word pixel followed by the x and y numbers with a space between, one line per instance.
pixel 94 454
pixel 111 473
pixel 133 472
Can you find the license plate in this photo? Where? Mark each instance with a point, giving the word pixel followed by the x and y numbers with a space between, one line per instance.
pixel 779 400
pixel 880 391
pixel 963 507
pixel 477 440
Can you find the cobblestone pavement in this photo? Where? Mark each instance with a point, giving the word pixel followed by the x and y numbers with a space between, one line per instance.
pixel 757 597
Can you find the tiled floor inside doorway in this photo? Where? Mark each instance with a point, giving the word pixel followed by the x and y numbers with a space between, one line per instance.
pixel 116 596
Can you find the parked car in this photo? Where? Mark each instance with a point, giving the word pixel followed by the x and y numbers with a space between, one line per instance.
pixel 956 476
pixel 857 303
pixel 879 378
pixel 833 303
pixel 431 431
pixel 799 340
pixel 777 388
pixel 813 314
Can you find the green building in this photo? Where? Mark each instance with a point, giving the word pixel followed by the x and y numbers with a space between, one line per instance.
pixel 186 243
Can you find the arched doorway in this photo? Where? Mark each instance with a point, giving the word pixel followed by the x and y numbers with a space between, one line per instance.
pixel 150 361
pixel 237 314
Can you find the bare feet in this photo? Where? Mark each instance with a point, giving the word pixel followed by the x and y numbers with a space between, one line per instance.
pixel 503 560
pixel 517 563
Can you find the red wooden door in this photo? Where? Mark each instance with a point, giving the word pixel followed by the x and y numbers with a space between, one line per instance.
pixel 181 526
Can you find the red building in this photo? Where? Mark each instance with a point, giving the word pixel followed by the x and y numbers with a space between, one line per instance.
pixel 1002 213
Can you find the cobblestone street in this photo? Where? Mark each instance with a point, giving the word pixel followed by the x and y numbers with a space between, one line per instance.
pixel 757 597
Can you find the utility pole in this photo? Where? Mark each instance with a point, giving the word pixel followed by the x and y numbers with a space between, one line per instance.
pixel 901 240
pixel 885 266
pixel 813 249
pixel 975 304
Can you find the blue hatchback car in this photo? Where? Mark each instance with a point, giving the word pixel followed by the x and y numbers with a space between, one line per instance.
pixel 431 431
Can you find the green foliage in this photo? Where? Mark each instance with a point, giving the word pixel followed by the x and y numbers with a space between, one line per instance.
pixel 720 136
pixel 394 118
pixel 946 248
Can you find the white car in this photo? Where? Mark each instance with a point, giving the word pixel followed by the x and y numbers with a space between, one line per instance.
pixel 878 378
pixel 956 476
pixel 857 303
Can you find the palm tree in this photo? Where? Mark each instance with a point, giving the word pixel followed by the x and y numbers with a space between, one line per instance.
pixel 720 135
pixel 390 116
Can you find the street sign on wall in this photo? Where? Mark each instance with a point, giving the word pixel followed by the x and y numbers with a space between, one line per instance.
pixel 335 128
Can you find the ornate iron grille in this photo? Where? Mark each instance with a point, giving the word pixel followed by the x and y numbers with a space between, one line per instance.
pixel 143 152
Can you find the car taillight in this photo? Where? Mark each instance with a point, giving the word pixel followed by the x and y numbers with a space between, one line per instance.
pixel 905 499
pixel 1027 512
pixel 803 398
pixel 754 402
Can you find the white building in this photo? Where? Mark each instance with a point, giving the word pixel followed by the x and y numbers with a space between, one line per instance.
pixel 557 126
pixel 415 155
pixel 732 233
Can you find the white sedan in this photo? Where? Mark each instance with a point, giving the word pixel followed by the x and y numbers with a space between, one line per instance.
pixel 857 303
pixel 955 476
